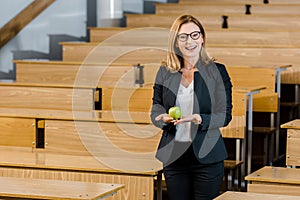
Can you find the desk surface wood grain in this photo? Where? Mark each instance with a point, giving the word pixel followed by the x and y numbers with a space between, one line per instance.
pixel 294 124
pixel 275 175
pixel 249 195
pixel 54 189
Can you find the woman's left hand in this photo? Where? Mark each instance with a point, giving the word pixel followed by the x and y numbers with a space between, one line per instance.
pixel 195 118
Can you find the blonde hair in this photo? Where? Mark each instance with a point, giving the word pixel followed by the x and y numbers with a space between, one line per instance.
pixel 174 58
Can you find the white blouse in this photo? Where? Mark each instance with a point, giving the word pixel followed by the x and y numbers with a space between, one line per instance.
pixel 184 100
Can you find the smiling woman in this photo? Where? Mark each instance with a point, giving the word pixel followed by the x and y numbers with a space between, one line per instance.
pixel 191 148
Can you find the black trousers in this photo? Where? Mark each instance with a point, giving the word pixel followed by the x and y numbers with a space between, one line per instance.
pixel 187 179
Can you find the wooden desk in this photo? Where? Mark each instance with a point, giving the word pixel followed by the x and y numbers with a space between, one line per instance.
pixel 55 189
pixel 253 196
pixel 293 142
pixel 138 180
pixel 275 180
pixel 66 155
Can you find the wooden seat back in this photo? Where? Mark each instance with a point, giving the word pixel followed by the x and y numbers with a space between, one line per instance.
pixel 215 38
pixel 101 138
pixel 267 99
pixel 74 73
pixel 228 9
pixel 97 53
pixel 146 36
pixel 237 127
pixel 16 131
pixel 216 22
pixel 39 96
pixel 239 2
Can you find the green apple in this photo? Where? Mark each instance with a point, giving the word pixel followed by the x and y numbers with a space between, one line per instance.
pixel 175 112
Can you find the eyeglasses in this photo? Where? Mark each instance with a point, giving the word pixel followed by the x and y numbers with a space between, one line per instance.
pixel 183 37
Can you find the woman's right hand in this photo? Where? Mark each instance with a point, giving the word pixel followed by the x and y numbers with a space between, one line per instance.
pixel 165 118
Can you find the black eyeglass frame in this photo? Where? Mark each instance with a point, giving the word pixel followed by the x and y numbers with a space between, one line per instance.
pixel 187 36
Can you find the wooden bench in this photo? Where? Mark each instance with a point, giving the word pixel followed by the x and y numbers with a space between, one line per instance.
pixel 126 49
pixel 293 142
pixel 55 189
pixel 10 129
pixel 139 99
pixel 275 180
pixel 42 118
pixel 230 38
pixel 90 143
pixel 78 73
pixel 28 163
pixel 228 55
pixel 47 96
pixel 265 57
pixel 235 48
pixel 240 2
pixel 273 107
pixel 146 36
pixel 95 53
pixel 252 196
pixel 216 22
pixel 266 101
pixel 236 128
pixel 216 46
pixel 33 119
pixel 215 38
pixel 110 76
pixel 228 9
pixel 53 123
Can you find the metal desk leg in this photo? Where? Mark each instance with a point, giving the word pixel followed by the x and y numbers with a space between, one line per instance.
pixel 159 186
pixel 250 129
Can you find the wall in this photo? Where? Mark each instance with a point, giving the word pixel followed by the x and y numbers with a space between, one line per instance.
pixel 62 17
pixel 133 6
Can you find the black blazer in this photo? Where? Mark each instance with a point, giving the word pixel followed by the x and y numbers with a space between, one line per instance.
pixel 212 100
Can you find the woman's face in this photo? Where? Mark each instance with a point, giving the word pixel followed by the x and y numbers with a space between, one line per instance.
pixel 189 40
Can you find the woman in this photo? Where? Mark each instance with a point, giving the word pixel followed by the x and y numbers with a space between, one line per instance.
pixel 191 148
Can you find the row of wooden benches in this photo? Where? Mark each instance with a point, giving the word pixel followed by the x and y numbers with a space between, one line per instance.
pixel 236 129
pixel 235 49
pixel 217 22
pixel 149 98
pixel 66 151
pixel 62 134
pixel 46 89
